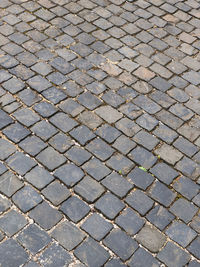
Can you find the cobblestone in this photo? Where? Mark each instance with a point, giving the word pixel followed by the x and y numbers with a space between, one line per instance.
pixel 100 136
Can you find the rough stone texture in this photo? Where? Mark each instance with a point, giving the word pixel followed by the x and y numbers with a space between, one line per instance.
pixel 151 238
pixel 100 140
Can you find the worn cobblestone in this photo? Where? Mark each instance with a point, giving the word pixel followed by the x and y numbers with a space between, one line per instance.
pixel 100 140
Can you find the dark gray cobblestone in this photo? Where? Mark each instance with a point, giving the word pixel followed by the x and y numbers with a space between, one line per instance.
pixel 99 133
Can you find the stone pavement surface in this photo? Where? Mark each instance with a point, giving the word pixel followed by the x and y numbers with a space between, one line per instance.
pixel 100 133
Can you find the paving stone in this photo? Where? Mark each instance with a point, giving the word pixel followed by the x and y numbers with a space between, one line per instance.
pixel 96 169
pixel 12 107
pixel 144 74
pixel 44 130
pixel 61 142
pixel 146 140
pixel 75 209
pixel 7 61
pixel 140 178
pixel 7 99
pixel 89 100
pixel 12 222
pixel 16 132
pixel 45 109
pixel 6 149
pixel 160 84
pixel 169 154
pixel 196 200
pixel 71 107
pixel 188 167
pixel 162 193
pixel 39 83
pixel 178 82
pixel 96 87
pixel 5 203
pixel 180 233
pixel 42 68
pixel 139 201
pixel 130 221
pixel 80 78
pixel 180 111
pixel 105 95
pixel 160 217
pixel 121 244
pixel 56 78
pixel 10 183
pixel 186 187
pixel 31 264
pixel 91 253
pixel 108 133
pixel 164 173
pixel 3 168
pixel 142 157
pixel 50 158
pixel 69 174
pixel 194 248
pixel 12 254
pixel 113 84
pixel 192 77
pixel 116 184
pixel 193 104
pixel 151 238
pixel 54 95
pixel 56 192
pixel 191 133
pixel 109 205
pixel 120 163
pixel 172 254
pixel 114 262
pixel 184 210
pixel 162 99
pixel 5 119
pixel 68 235
pixel 63 122
pixel 82 134
pixel 112 98
pixel 45 215
pixel 29 97
pixel 185 146
pixel 193 263
pixel 169 119
pixel 100 149
pixel 4 76
pixel 26 198
pixel 165 133
pixel 20 163
pixel 13 85
pixel 127 126
pixel 32 145
pixel 33 239
pixel 178 95
pixel 78 155
pixel 55 255
pixel 39 177
pixel 96 226
pixel 124 144
pixel 90 119
pixel 89 189
pixel 147 104
pixel 141 257
pixel 108 114
pixel 147 122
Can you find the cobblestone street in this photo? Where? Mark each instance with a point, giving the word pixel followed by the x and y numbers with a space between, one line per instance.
pixel 99 133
